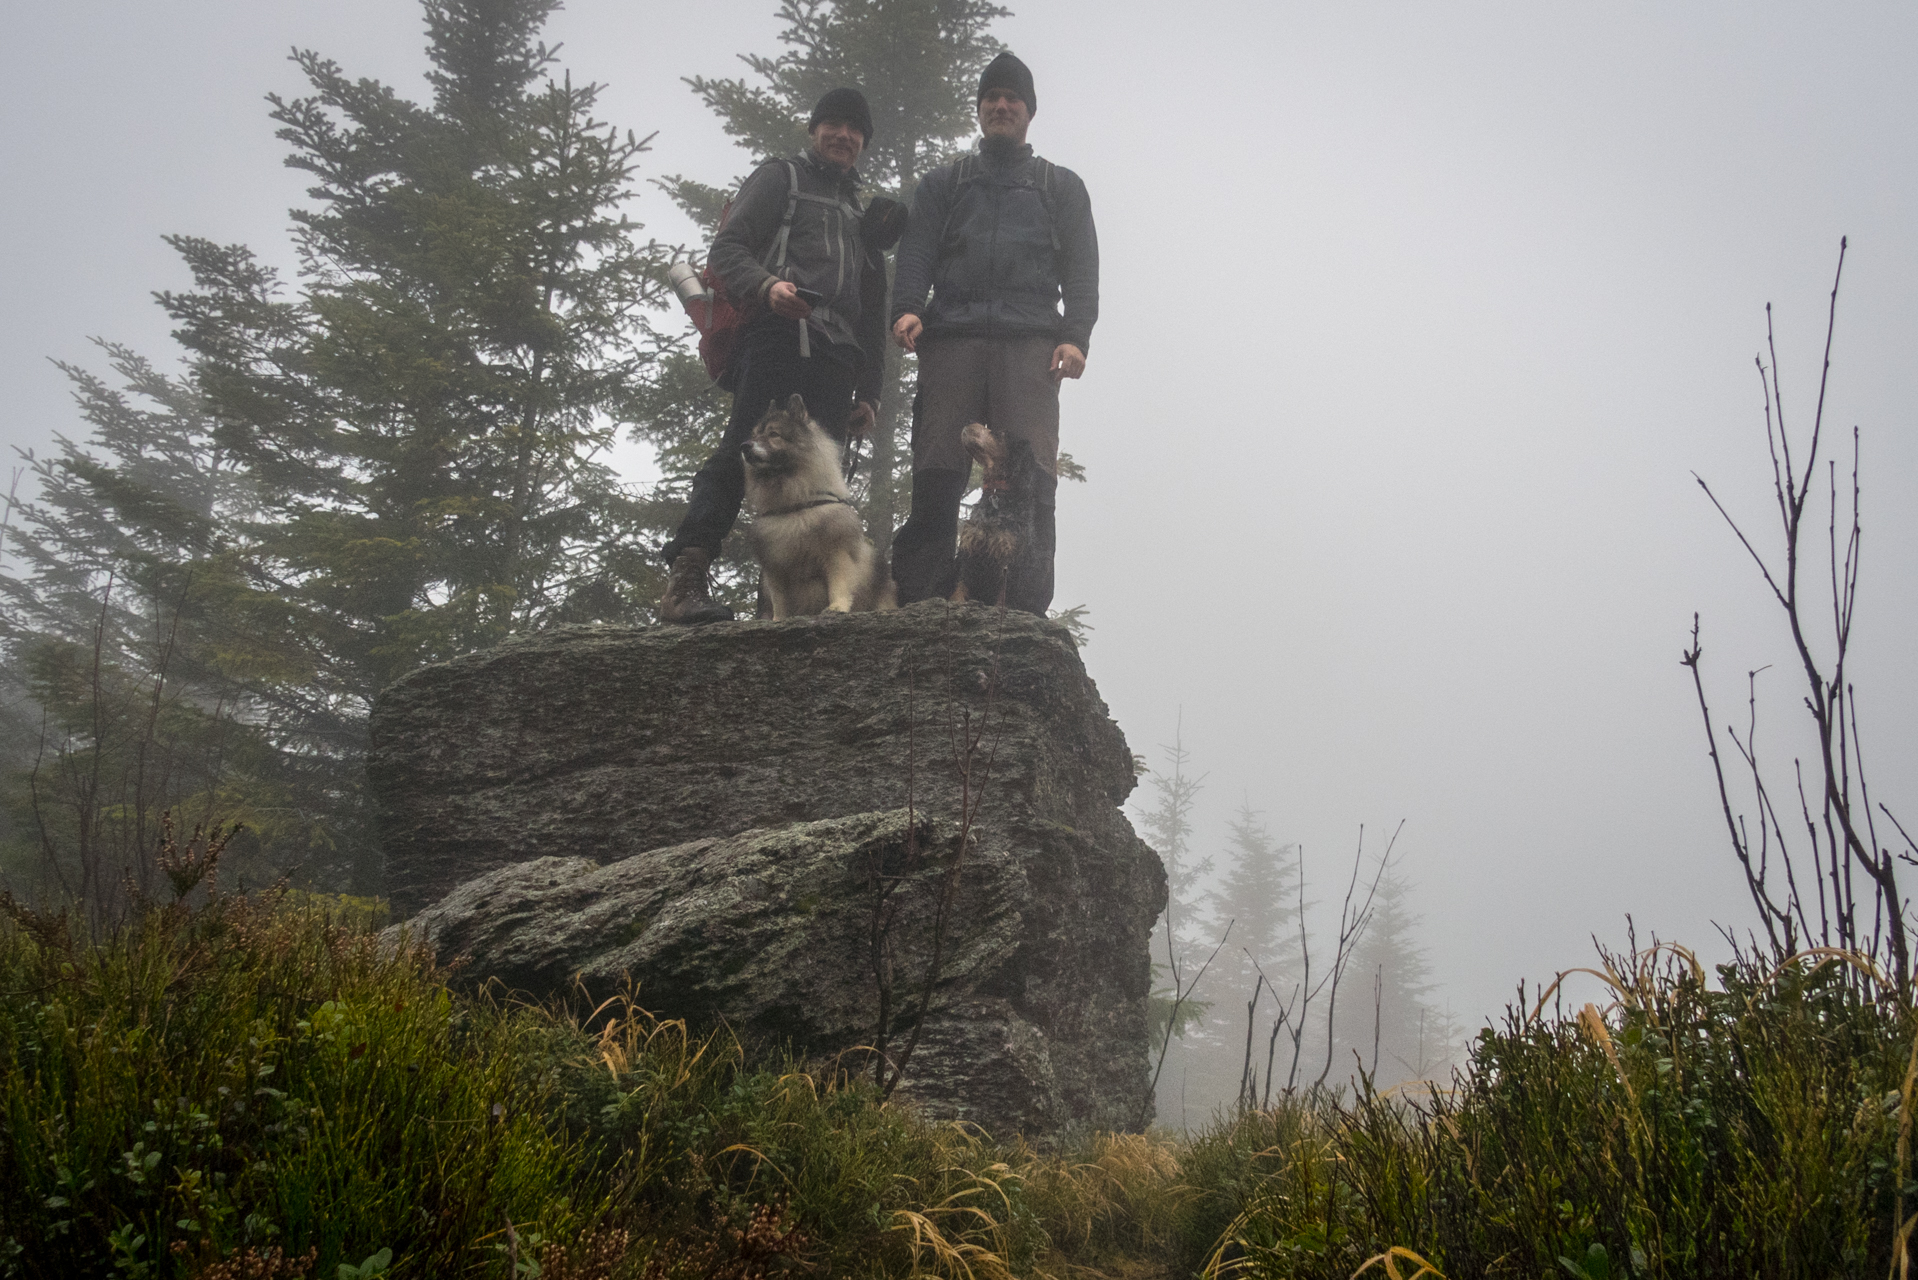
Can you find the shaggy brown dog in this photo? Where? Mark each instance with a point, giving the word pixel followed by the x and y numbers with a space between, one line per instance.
pixel 998 552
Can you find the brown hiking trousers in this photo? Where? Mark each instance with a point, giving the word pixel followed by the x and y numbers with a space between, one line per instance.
pixel 1005 383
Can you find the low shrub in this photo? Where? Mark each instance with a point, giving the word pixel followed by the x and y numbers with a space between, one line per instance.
pixel 1756 1127
pixel 257 1088
pixel 259 1076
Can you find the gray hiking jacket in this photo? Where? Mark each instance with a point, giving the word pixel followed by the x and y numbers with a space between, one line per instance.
pixel 822 251
pixel 1001 237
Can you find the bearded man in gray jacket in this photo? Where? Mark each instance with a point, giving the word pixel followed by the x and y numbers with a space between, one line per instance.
pixel 1005 242
pixel 801 256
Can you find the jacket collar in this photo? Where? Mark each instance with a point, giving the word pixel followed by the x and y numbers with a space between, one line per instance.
pixel 1004 155
pixel 843 177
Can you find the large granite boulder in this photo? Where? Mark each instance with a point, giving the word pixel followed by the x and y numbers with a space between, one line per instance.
pixel 755 821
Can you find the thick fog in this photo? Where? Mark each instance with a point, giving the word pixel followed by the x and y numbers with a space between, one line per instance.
pixel 1416 323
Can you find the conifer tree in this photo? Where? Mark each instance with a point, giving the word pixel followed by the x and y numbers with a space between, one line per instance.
pixel 1181 951
pixel 427 420
pixel 394 458
pixel 1259 894
pixel 1387 1019
pixel 1168 829
pixel 131 698
pixel 918 63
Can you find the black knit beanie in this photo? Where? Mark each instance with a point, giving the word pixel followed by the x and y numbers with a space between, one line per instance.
pixel 844 104
pixel 1007 72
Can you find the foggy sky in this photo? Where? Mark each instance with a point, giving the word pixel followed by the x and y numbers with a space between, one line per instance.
pixel 1416 322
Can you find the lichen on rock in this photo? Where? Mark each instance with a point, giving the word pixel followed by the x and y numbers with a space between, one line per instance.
pixel 713 814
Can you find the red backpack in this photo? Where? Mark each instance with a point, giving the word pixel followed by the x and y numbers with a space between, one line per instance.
pixel 717 316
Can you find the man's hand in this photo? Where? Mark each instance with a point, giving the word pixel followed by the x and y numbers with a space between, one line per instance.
pixel 1067 362
pixel 906 331
pixel 784 299
pixel 860 420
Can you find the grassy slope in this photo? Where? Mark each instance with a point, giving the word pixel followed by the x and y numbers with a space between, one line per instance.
pixel 209 1087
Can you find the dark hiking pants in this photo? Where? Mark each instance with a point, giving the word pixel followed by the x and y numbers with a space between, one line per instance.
pixel 769 369
pixel 1007 384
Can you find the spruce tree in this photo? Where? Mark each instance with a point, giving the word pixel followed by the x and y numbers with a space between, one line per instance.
pixel 918 63
pixel 133 694
pixel 412 431
pixel 428 418
pixel 1387 1019
pixel 1168 829
pixel 1181 948
pixel 1259 894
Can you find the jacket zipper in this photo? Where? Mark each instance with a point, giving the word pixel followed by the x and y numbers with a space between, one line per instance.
pixel 992 251
pixel 839 226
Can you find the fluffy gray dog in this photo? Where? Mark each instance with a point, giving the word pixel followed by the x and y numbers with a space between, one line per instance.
pixel 812 548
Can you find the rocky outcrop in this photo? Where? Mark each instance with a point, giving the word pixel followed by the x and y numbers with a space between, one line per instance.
pixel 757 821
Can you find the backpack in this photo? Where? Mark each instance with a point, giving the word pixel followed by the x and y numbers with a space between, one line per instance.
pixel 718 318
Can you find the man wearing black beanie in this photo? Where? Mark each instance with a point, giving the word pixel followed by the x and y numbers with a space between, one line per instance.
pixel 798 254
pixel 1004 241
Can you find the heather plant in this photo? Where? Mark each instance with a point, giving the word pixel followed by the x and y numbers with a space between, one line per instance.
pixel 256 1075
pixel 263 1087
pixel 230 1086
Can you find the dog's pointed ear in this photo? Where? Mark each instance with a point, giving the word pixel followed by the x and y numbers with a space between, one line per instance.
pixel 796 405
pixel 772 407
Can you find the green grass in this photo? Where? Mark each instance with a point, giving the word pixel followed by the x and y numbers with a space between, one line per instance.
pixel 254 1088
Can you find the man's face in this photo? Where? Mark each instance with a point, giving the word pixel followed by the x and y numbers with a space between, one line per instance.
pixel 1004 114
pixel 838 142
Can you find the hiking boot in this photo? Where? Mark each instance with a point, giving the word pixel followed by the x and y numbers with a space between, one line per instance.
pixel 689 596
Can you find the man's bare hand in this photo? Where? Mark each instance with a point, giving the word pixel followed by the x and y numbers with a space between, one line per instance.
pixel 906 332
pixel 860 421
pixel 784 299
pixel 1067 362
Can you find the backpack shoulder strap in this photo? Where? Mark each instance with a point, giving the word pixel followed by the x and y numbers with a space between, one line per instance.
pixel 964 170
pixel 1048 180
pixel 786 223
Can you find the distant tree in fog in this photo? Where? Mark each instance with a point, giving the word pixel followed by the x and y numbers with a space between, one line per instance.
pixel 1168 829
pixel 134 685
pixel 1260 892
pixel 1388 992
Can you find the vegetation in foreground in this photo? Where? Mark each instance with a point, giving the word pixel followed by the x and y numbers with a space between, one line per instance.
pixel 254 1087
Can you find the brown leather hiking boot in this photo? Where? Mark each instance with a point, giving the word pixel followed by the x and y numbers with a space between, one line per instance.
pixel 689 595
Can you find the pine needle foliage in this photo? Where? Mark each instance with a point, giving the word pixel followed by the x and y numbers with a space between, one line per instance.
pixel 396 454
pixel 918 63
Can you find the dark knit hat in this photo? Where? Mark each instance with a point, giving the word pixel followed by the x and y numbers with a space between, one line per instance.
pixel 1007 72
pixel 844 104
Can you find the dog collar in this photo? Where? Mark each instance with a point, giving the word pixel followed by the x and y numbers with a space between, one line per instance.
pixel 823 500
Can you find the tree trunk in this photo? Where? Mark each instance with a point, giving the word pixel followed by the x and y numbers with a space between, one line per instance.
pixel 881 514
pixel 882 503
